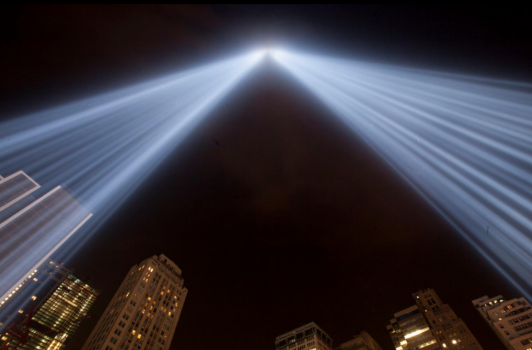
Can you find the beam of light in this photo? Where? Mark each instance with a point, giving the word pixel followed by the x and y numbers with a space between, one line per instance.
pixel 104 147
pixel 463 143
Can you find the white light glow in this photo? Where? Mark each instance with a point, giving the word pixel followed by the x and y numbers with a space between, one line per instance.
pixel 415 333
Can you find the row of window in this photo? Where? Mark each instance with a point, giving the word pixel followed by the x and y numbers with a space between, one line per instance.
pixel 402 324
pixel 521 318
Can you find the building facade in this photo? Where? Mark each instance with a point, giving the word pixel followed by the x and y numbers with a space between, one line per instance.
pixel 430 325
pixel 363 341
pixel 410 330
pixel 145 310
pixel 511 320
pixel 307 337
pixel 31 230
pixel 56 308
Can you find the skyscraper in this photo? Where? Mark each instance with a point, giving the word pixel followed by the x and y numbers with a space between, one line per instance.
pixel 511 320
pixel 363 341
pixel 32 294
pixel 144 311
pixel 307 337
pixel 58 306
pixel 430 324
pixel 31 230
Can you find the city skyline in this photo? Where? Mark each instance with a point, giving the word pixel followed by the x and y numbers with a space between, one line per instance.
pixel 300 163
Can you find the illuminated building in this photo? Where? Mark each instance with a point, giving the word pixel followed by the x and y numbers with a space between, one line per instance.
pixel 409 329
pixel 60 304
pixel 32 294
pixel 511 320
pixel 363 341
pixel 144 312
pixel 429 325
pixel 31 230
pixel 307 337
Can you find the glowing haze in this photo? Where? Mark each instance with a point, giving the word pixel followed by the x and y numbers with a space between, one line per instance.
pixel 464 144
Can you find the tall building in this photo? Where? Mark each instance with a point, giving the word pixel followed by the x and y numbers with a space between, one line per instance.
pixel 58 306
pixel 32 295
pixel 511 320
pixel 31 230
pixel 363 341
pixel 410 330
pixel 430 324
pixel 144 312
pixel 307 337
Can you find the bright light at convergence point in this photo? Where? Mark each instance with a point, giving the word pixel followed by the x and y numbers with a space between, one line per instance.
pixel 269 52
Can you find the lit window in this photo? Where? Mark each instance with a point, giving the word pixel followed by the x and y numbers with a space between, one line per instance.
pixel 20 311
pixel 454 341
pixel 444 345
pixel 33 297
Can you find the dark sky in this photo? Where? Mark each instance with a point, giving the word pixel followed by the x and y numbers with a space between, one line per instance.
pixel 291 219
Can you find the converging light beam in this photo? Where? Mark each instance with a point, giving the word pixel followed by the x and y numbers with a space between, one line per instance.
pixel 464 144
pixel 104 147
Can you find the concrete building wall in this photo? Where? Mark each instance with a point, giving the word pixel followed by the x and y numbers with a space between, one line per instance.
pixel 511 320
pixel 144 311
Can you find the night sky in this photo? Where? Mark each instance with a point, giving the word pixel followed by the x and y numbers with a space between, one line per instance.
pixel 291 218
